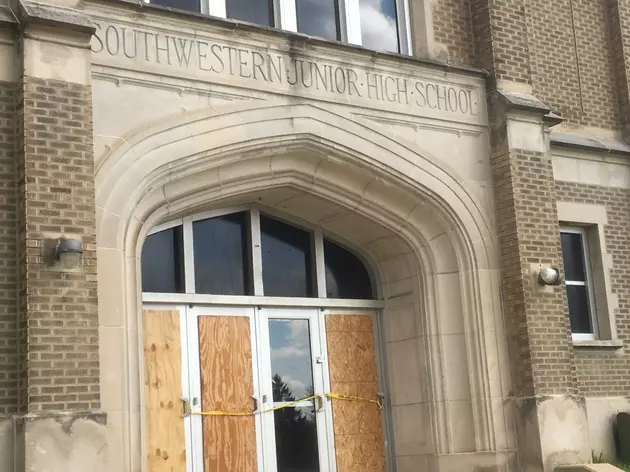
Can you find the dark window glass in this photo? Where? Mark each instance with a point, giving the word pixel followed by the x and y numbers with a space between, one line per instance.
pixel 162 262
pixel 254 11
pixel 286 259
pixel 291 364
pixel 379 28
pixel 579 309
pixel 573 256
pixel 296 440
pixel 318 18
pixel 221 247
pixel 346 276
pixel 190 5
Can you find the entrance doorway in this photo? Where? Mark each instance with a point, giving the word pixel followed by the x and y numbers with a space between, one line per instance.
pixel 284 383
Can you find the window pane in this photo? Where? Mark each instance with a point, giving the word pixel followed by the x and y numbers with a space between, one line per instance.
pixel 291 365
pixel 254 11
pixel 346 276
pixel 162 262
pixel 573 256
pixel 578 309
pixel 222 256
pixel 379 28
pixel 296 440
pixel 318 18
pixel 286 259
pixel 190 5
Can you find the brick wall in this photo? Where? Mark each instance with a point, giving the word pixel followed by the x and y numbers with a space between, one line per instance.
pixel 8 303
pixel 619 20
pixel 58 328
pixel 572 63
pixel 538 331
pixel 453 29
pixel 562 48
pixel 606 372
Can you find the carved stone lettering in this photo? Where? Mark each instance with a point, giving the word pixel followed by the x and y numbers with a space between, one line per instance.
pixel 275 68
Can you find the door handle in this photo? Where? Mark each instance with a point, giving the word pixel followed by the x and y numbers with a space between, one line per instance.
pixel 185 408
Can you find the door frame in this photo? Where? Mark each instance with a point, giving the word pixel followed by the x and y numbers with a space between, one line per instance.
pixel 191 382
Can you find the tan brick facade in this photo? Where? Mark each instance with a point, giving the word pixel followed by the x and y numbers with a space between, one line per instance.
pixel 445 178
pixel 8 241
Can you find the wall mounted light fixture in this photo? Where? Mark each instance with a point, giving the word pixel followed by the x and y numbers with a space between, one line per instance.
pixel 68 253
pixel 549 276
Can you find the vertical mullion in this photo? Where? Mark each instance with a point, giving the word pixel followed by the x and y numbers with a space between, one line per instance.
pixel 256 248
pixel 287 15
pixel 350 12
pixel 189 255
pixel 404 27
pixel 217 8
pixel 320 264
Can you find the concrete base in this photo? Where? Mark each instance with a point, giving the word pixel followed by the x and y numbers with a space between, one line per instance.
pixel 588 468
pixel 61 442
pixel 602 419
pixel 551 431
pixel 6 444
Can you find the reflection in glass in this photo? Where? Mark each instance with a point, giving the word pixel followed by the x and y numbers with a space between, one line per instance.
pixel 296 440
pixel 259 12
pixel 579 309
pixel 162 262
pixel 318 18
pixel 222 256
pixel 286 259
pixel 346 276
pixel 379 28
pixel 190 5
pixel 290 359
pixel 573 256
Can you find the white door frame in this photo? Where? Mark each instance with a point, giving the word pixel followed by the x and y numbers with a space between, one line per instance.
pixel 261 370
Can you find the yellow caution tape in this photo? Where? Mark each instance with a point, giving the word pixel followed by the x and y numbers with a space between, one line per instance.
pixel 337 396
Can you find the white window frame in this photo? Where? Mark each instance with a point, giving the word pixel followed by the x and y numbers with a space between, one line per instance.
pixel 588 283
pixel 285 17
pixel 258 298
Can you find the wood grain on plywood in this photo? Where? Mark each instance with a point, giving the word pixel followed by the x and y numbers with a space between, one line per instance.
pixel 225 355
pixel 352 363
pixel 166 444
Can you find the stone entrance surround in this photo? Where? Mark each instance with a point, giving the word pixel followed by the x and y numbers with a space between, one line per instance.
pixel 395 156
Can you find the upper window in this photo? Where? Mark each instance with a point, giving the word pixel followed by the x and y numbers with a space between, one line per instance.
pixel 246 253
pixel 375 24
pixel 579 283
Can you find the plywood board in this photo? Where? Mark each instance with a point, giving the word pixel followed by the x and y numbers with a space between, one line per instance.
pixel 166 444
pixel 227 384
pixel 357 426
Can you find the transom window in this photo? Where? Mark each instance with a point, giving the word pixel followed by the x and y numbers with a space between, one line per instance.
pixel 579 283
pixel 375 24
pixel 244 252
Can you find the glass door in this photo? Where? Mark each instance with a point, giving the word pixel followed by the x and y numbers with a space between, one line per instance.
pixel 292 379
pixel 257 375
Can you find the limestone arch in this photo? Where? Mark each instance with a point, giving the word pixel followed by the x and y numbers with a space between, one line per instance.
pixel 247 150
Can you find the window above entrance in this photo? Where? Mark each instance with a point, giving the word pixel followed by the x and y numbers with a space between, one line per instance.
pixel 244 253
pixel 375 24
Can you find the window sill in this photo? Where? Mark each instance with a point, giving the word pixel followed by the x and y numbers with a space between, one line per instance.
pixel 598 344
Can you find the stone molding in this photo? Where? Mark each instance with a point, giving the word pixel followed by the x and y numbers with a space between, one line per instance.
pixel 46 14
pixel 179 165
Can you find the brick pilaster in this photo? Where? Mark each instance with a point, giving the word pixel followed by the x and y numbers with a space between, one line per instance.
pixel 540 347
pixel 500 40
pixel 58 325
pixel 619 17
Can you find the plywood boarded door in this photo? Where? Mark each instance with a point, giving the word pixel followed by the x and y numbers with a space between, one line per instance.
pixel 166 444
pixel 227 384
pixel 359 444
